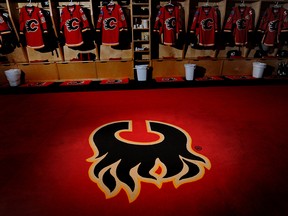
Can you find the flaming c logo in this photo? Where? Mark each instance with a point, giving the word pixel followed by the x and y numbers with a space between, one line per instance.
pixel 119 163
pixel 110 23
pixel 170 23
pixel 72 24
pixel 32 25
pixel 273 25
pixel 241 24
pixel 207 24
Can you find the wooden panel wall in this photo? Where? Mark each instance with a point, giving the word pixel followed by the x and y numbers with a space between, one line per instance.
pixel 114 69
pixel 77 71
pixel 39 72
pixel 237 67
pixel 167 68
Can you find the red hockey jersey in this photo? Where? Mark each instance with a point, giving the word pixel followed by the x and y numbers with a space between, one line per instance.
pixel 4 26
pixel 240 22
pixel 274 21
pixel 168 24
pixel 73 23
pixel 33 25
pixel 111 21
pixel 204 25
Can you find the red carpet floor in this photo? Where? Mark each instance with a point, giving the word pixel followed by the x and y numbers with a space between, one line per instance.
pixel 242 130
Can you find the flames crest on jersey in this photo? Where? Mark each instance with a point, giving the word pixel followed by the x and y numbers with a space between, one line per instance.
pixel 32 25
pixel 72 24
pixel 170 23
pixel 119 163
pixel 110 23
pixel 207 24
pixel 241 24
pixel 273 25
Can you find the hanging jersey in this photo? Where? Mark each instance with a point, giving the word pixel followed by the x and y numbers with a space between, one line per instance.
pixel 33 25
pixel 204 25
pixel 240 22
pixel 73 23
pixel 111 21
pixel 168 24
pixel 8 40
pixel 4 25
pixel 273 22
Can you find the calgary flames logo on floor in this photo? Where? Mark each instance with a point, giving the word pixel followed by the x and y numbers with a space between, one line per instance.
pixel 119 163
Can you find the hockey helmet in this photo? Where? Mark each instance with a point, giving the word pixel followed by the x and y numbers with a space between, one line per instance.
pixel 233 53
pixel 260 54
pixel 282 53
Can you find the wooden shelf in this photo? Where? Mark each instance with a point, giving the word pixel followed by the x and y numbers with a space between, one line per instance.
pixel 141 56
pixel 140 4
pixel 141 29
pixel 143 60
pixel 140 16
pixel 142 51
pixel 141 41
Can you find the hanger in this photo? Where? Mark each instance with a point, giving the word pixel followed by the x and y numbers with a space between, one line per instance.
pixel 276 5
pixel 242 4
pixel 169 4
pixel 71 3
pixel 111 3
pixel 29 4
pixel 206 5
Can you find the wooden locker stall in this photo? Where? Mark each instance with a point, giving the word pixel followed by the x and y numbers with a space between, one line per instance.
pixel 244 49
pixel 176 50
pixel 76 70
pixel 192 52
pixel 20 53
pixel 72 53
pixel 263 6
pixel 123 50
pixel 33 54
pixel 168 68
pixel 114 69
pixel 37 72
pixel 209 67
pixel 237 67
